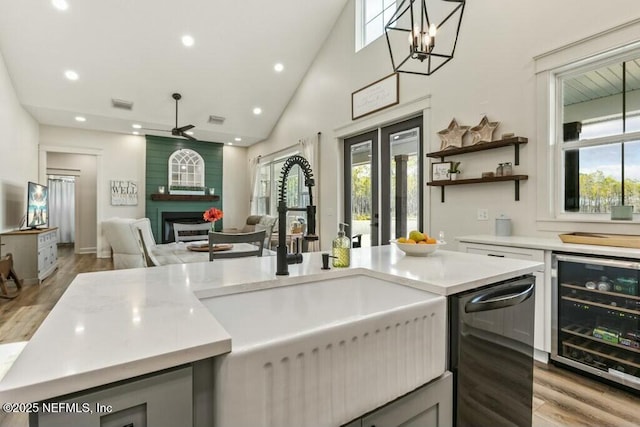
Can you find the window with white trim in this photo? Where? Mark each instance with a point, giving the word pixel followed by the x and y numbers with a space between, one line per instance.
pixel 371 18
pixel 186 169
pixel 597 145
pixel 268 185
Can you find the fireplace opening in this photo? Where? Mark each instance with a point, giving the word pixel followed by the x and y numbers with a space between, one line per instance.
pixel 169 218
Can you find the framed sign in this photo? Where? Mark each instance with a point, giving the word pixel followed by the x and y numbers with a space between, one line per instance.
pixel 124 193
pixel 440 171
pixel 375 97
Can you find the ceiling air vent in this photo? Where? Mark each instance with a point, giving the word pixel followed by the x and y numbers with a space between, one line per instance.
pixel 216 120
pixel 122 104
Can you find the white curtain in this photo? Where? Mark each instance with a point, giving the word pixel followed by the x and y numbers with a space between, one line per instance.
pixel 62 208
pixel 307 147
pixel 254 170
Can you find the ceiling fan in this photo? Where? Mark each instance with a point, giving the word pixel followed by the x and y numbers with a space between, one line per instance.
pixel 178 131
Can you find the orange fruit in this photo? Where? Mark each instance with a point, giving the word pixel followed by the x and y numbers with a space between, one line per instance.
pixel 422 242
pixel 411 241
pixel 431 240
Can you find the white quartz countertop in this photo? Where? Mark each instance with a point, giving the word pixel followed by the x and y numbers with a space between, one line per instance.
pixel 550 244
pixel 114 325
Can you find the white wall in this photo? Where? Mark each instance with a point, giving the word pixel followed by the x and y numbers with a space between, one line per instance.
pixel 18 153
pixel 492 73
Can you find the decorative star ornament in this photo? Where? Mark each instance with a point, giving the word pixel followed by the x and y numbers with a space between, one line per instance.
pixel 484 131
pixel 452 136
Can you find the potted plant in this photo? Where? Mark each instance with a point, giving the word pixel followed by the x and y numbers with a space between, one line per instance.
pixel 454 170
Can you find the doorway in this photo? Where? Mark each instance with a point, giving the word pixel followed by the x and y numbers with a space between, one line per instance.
pixel 383 190
pixel 62 207
pixel 84 168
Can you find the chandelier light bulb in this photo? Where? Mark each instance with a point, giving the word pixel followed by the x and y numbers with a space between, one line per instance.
pixel 416 34
pixel 432 30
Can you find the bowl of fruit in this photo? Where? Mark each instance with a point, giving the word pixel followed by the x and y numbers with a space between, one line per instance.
pixel 417 244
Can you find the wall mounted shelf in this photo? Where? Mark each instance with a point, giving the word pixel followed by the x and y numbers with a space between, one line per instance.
pixel 516 141
pixel 184 198
pixel 515 178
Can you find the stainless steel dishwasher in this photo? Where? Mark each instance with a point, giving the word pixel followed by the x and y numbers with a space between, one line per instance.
pixel 491 354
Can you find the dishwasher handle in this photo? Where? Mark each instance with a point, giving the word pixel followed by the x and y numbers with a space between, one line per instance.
pixel 500 298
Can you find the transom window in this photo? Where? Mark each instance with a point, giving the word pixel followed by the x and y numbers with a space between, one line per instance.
pixel 186 168
pixel 599 137
pixel 371 18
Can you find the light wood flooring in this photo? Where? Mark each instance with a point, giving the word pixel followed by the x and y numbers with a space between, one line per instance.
pixel 561 397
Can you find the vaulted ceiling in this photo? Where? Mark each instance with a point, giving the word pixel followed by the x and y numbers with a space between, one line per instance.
pixel 132 50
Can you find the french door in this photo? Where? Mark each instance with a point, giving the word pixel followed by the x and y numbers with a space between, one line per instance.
pixel 383 182
pixel 361 188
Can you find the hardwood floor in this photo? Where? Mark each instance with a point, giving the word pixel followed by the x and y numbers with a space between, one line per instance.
pixel 21 316
pixel 561 397
pixel 564 398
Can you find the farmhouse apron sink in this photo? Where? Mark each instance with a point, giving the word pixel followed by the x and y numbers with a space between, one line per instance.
pixel 323 353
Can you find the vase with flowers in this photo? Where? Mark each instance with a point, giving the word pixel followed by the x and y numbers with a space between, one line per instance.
pixel 212 215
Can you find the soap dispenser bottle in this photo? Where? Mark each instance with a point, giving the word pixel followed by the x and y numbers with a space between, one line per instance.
pixel 341 248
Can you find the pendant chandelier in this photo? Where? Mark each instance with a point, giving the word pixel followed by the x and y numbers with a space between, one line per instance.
pixel 422 35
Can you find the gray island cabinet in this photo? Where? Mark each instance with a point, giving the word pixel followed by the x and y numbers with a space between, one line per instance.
pixel 430 405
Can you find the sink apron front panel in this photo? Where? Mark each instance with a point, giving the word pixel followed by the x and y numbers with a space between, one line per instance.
pixel 326 373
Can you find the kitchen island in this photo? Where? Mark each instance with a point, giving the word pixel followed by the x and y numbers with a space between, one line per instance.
pixel 117 325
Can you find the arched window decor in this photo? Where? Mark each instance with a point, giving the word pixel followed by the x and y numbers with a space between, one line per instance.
pixel 186 169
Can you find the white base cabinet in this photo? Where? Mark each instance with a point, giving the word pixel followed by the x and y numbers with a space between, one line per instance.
pixel 428 406
pixel 542 331
pixel 35 253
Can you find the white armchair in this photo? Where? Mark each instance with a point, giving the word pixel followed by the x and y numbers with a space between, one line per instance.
pixel 125 244
pixel 128 245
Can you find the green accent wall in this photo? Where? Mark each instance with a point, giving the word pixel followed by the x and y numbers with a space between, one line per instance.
pixel 157 160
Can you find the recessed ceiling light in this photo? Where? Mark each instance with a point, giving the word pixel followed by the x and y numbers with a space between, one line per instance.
pixel 257 111
pixel 229 143
pixel 187 40
pixel 136 126
pixel 189 132
pixel 80 119
pixel 278 67
pixel 135 132
pixel 238 139
pixel 60 4
pixel 71 75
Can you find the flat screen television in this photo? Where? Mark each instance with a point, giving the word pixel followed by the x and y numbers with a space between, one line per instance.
pixel 37 205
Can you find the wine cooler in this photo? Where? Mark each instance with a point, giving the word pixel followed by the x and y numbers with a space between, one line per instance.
pixel 596 316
